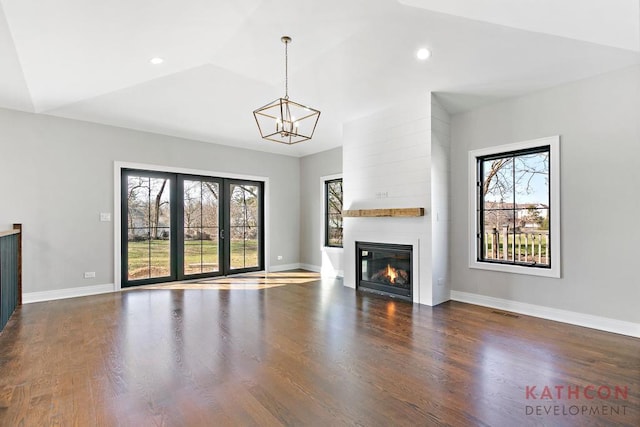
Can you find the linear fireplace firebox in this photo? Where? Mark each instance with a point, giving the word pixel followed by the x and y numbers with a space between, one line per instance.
pixel 385 269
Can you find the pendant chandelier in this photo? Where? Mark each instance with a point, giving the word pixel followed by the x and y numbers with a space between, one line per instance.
pixel 283 120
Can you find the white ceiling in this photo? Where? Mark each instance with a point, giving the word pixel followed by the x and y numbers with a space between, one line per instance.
pixel 613 23
pixel 89 59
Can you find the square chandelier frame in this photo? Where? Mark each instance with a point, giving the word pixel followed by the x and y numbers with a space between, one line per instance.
pixel 283 120
pixel 286 121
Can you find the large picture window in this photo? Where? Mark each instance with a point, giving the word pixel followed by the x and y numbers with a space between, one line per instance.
pixel 516 207
pixel 333 212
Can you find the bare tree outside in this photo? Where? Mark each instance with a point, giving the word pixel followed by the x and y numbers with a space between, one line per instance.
pixel 148 227
pixel 514 194
pixel 244 223
pixel 201 207
pixel 158 205
pixel 333 190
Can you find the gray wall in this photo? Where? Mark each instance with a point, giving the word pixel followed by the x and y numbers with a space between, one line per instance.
pixel 440 198
pixel 56 176
pixel 598 121
pixel 312 168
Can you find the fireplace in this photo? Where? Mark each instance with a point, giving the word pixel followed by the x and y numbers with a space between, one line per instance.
pixel 385 269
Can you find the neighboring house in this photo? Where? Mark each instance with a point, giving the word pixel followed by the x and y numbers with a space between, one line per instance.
pixel 523 215
pixel 531 215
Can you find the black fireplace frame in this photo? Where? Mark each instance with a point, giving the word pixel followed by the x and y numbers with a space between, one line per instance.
pixel 379 288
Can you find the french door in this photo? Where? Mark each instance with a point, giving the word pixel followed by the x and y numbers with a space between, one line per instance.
pixel 186 227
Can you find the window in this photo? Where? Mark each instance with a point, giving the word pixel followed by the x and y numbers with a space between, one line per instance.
pixel 515 208
pixel 333 212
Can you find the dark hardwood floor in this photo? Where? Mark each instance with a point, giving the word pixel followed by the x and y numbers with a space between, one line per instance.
pixel 311 353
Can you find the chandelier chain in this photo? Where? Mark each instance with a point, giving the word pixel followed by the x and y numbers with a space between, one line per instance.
pixel 286 70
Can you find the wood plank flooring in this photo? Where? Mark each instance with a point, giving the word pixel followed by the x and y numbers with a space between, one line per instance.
pixel 308 353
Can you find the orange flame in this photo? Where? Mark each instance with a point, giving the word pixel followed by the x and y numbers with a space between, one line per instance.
pixel 391 273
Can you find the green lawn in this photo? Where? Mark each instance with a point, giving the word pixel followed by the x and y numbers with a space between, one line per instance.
pixel 200 257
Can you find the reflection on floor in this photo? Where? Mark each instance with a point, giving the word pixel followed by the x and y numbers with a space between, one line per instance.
pixel 313 354
pixel 249 281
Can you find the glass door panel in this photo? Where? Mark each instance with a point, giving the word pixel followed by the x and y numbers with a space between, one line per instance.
pixel 245 226
pixel 148 244
pixel 201 206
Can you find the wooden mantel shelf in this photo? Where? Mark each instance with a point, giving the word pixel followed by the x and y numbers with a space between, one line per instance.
pixel 395 212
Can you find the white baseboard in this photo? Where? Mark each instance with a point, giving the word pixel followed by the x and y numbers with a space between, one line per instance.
pixel 325 272
pixel 284 267
pixel 331 273
pixel 339 273
pixel 311 267
pixel 308 267
pixel 587 320
pixel 83 291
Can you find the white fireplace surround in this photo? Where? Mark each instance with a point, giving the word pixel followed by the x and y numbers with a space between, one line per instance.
pixel 399 158
pixel 415 253
pixel 400 231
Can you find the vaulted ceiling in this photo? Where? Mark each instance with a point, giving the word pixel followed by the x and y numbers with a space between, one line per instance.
pixel 89 59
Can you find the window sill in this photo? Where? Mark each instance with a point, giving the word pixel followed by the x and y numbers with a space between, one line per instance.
pixel 517 269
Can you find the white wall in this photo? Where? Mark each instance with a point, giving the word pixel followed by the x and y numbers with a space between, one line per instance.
pixel 56 176
pixel 598 122
pixel 313 254
pixel 387 164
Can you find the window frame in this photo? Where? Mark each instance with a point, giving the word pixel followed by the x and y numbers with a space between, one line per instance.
pixel 325 220
pixel 554 270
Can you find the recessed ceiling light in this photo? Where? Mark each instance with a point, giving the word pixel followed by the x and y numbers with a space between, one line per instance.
pixel 156 60
pixel 423 54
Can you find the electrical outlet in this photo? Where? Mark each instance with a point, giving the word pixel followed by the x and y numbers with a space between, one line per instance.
pixel 280 257
pixel 89 274
pixel 441 282
pixel 382 194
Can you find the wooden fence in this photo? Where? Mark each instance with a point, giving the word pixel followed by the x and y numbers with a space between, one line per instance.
pixel 10 272
pixel 524 246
